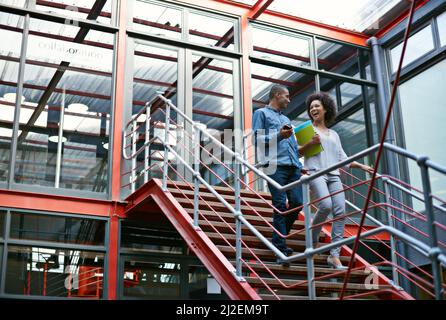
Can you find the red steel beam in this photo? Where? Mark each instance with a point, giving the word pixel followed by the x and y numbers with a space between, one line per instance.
pixel 118 110
pixel 55 203
pixel 284 20
pixel 258 8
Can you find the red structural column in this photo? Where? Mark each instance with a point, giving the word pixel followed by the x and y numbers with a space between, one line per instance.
pixel 112 277
pixel 116 156
pixel 246 86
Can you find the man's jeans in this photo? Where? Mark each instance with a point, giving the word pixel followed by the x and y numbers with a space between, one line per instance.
pixel 283 223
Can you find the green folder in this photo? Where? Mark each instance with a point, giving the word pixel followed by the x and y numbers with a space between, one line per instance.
pixel 304 133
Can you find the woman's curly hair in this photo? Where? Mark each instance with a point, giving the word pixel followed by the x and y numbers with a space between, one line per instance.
pixel 327 102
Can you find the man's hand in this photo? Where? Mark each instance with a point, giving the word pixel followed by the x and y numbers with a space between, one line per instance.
pixel 286 131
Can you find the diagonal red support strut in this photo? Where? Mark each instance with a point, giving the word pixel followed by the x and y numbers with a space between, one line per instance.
pixel 378 158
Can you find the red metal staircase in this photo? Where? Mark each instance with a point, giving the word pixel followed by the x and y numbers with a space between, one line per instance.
pixel 214 244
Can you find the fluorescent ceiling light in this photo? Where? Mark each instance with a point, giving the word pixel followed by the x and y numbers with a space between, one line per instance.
pixel 78 108
pixel 11 97
pixel 56 139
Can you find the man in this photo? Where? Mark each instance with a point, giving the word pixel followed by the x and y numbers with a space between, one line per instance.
pixel 273 131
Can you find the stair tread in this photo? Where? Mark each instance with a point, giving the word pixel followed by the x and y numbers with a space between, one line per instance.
pixel 229 198
pixel 296 269
pixel 220 206
pixel 251 239
pixel 223 227
pixel 266 195
pixel 318 284
pixel 250 217
pixel 267 253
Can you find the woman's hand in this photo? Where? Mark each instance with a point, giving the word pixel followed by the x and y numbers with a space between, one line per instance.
pixel 315 140
pixel 366 168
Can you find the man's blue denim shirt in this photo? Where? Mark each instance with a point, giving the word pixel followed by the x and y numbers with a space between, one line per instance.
pixel 267 123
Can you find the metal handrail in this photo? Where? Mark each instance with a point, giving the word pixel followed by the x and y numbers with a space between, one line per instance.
pixel 433 252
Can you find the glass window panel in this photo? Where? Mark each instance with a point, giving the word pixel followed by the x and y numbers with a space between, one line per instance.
pixel 139 236
pixel 213 107
pixel 418 45
pixel 350 95
pixel 374 115
pixel 157 19
pixel 425 89
pixel 155 69
pixel 281 46
pixel 49 272
pixel 200 283
pixel 10 45
pixel 211 31
pixel 441 22
pixel 338 58
pixel 83 87
pixel 28 226
pixel 77 9
pixel 143 278
pixel 299 85
pixel 17 3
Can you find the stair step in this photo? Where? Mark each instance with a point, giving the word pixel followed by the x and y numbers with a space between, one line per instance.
pixel 221 190
pixel 251 241
pixel 266 231
pixel 320 285
pixel 208 196
pixel 253 218
pixel 219 207
pixel 302 270
pixel 268 255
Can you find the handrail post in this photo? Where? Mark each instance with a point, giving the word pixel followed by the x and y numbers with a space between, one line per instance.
pixel 146 149
pixel 134 141
pixel 308 240
pixel 166 150
pixel 390 212
pixel 238 223
pixel 196 166
pixel 245 157
pixel 429 210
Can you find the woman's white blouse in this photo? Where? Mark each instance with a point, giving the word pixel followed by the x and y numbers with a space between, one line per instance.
pixel 333 153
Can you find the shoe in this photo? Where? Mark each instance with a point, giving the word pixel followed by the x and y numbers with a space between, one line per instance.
pixel 283 262
pixel 331 263
pixel 288 252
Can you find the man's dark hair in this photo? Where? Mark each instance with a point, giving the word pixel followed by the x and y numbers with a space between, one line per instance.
pixel 327 102
pixel 277 88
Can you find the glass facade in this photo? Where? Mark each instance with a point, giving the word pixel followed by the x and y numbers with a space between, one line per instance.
pixel 418 44
pixel 49 272
pixel 9 63
pixel 422 100
pixel 48 255
pixel 157 264
pixel 58 102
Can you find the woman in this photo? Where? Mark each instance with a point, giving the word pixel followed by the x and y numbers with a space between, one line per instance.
pixel 321 109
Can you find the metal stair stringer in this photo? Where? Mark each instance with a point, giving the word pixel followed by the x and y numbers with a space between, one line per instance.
pixel 197 240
